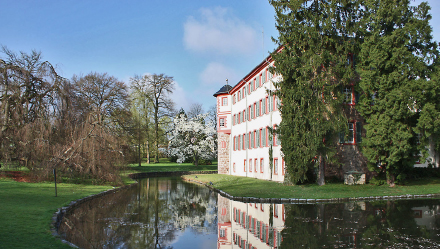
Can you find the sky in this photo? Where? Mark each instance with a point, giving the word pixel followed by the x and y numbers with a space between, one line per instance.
pixel 200 43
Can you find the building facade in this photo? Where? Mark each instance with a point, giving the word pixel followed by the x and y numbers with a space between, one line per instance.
pixel 247 112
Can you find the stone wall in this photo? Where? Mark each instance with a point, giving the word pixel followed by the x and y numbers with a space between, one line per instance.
pixel 223 153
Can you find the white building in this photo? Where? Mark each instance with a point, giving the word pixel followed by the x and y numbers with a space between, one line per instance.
pixel 246 113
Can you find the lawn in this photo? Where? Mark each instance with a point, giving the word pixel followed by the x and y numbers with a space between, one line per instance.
pixel 250 187
pixel 165 165
pixel 26 211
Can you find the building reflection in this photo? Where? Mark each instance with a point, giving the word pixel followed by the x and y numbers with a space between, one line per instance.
pixel 249 225
pixel 345 225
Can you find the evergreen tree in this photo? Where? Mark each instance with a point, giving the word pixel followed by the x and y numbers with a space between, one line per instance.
pixel 315 38
pixel 394 65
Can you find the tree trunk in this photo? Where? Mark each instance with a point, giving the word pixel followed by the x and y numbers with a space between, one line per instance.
pixel 196 160
pixel 321 171
pixel 156 131
pixel 391 178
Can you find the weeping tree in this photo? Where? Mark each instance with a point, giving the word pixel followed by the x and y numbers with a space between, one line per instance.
pixel 315 38
pixel 28 92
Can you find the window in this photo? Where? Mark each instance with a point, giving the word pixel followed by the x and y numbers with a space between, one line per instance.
pixel 256 167
pixel 250 140
pixel 263 137
pixel 244 115
pixel 283 165
pixel 270 103
pixel 263 106
pixel 233 167
pixel 244 165
pixel 249 88
pixel 244 92
pixel 264 75
pixel 233 99
pixel 257 110
pixel 247 141
pixel 239 117
pixel 255 142
pixel 348 95
pixel 243 142
pixel 222 122
pixel 261 165
pixel 225 101
pixel 250 165
pixel 254 110
pixel 257 139
pixel 234 142
pixel 260 143
pixel 275 166
pixel 239 142
pixel 354 135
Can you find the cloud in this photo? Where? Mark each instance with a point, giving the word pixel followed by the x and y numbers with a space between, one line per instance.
pixel 216 74
pixel 180 98
pixel 217 30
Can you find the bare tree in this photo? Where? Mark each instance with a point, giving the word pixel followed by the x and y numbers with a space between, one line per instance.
pixel 161 87
pixel 195 110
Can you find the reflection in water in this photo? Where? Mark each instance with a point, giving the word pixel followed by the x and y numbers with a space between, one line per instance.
pixel 156 213
pixel 387 224
pixel 170 213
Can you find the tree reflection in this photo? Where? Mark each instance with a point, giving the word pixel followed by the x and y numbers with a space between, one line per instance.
pixel 149 215
pixel 396 224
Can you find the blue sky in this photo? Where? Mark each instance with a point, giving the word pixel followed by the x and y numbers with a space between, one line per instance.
pixel 199 42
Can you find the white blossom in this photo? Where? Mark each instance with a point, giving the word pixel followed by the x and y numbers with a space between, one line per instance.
pixel 193 138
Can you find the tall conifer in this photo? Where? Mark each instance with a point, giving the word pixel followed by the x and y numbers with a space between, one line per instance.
pixel 394 64
pixel 315 39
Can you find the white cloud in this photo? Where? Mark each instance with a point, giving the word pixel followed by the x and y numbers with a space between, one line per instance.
pixel 180 98
pixel 217 30
pixel 216 74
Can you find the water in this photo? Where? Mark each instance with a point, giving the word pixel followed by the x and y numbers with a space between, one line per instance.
pixel 170 213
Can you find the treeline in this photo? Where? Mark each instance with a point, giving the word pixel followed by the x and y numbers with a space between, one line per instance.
pixel 84 127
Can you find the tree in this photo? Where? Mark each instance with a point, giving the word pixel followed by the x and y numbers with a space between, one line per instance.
pixel 28 91
pixel 142 106
pixel 395 61
pixel 192 138
pixel 195 110
pixel 315 38
pixel 160 86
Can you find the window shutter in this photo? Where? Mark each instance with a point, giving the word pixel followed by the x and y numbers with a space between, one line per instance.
pixel 356 96
pixel 258 81
pixel 341 137
pixel 358 132
pixel 264 76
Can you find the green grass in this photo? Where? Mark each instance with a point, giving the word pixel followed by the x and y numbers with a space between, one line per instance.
pixel 165 166
pixel 250 187
pixel 26 211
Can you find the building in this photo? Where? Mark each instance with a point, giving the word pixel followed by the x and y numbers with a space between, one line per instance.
pixel 247 112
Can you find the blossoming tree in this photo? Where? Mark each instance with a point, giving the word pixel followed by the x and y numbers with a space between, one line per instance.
pixel 193 137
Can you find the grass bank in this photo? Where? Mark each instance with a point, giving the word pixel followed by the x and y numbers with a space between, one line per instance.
pixel 250 187
pixel 164 165
pixel 26 211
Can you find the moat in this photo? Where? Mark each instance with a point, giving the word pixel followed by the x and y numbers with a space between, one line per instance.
pixel 171 213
